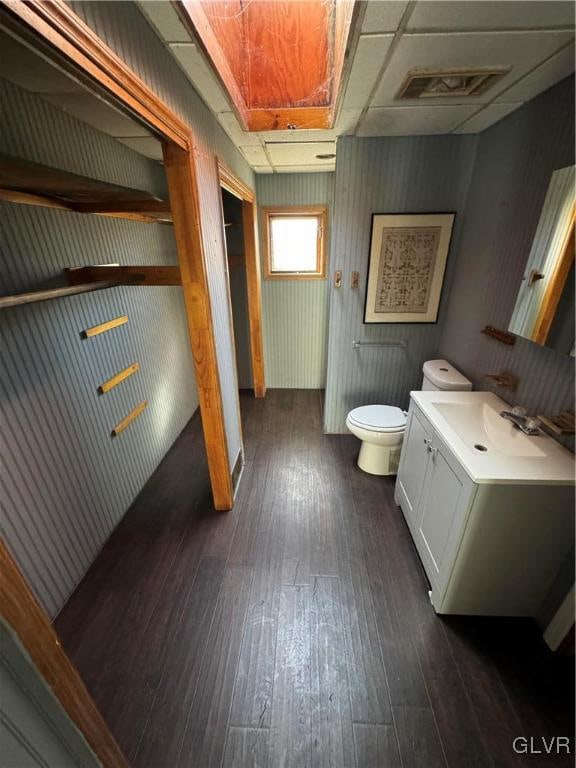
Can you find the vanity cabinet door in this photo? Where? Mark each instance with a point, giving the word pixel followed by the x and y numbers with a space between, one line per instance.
pixel 413 466
pixel 447 496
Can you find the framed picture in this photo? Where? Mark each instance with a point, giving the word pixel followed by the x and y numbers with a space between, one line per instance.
pixel 408 253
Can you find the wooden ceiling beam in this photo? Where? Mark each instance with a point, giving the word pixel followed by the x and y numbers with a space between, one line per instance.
pixel 286 119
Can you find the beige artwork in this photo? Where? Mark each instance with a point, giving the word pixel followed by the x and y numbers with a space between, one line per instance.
pixel 406 269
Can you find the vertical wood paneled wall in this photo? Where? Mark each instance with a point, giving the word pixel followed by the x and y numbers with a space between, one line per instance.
pixel 295 312
pixel 389 175
pixel 515 161
pixel 65 483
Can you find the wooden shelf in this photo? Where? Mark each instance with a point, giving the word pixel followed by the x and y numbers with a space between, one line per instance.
pixel 33 184
pixel 503 336
pixel 96 278
pixel 55 293
pixel 146 275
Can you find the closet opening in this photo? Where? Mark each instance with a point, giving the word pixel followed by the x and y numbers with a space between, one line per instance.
pixel 239 218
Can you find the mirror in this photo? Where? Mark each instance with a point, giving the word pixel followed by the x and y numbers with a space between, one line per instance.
pixel 544 310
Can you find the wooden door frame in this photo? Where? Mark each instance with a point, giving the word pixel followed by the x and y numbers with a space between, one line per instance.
pixel 60 35
pixel 29 621
pixel 555 286
pixel 231 183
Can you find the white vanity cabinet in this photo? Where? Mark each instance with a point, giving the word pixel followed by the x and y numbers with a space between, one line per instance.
pixel 487 548
pixel 435 494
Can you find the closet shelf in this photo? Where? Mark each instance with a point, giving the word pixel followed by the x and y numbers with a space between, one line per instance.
pixel 55 293
pixel 96 278
pixel 34 184
pixel 134 275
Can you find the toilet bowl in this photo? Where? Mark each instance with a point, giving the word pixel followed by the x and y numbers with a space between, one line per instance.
pixel 381 427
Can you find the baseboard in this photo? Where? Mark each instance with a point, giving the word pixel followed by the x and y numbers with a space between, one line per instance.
pixel 561 623
pixel 237 470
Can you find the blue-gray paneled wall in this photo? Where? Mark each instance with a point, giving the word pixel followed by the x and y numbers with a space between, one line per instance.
pixel 65 483
pixel 34 728
pixel 388 175
pixel 515 161
pixel 125 29
pixel 295 312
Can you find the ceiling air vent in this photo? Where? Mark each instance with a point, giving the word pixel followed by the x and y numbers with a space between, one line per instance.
pixel 453 83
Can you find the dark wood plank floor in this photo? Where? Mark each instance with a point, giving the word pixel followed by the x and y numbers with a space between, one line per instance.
pixel 296 630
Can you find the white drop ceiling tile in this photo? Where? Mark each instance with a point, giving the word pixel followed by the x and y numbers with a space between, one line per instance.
pixel 297 135
pixel 163 16
pixel 382 16
pixel 240 137
pixel 92 110
pixel 347 121
pixel 368 59
pixel 491 15
pixel 414 121
pixel 262 169
pixel 300 153
pixel 545 76
pixel 321 168
pixel 255 155
pixel 26 69
pixel 488 115
pixel 520 50
pixel 202 77
pixel 144 145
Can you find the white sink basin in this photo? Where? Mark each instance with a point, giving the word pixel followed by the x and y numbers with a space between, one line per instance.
pixel 490 448
pixel 483 429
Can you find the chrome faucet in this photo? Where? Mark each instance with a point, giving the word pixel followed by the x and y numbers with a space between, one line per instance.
pixel 518 417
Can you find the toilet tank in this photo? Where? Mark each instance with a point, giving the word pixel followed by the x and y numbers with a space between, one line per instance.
pixel 439 374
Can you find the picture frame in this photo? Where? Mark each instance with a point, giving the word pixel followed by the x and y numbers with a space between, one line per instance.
pixel 406 267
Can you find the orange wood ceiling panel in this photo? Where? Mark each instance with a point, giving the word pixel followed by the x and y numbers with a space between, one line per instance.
pixel 280 60
pixel 288 54
pixel 279 51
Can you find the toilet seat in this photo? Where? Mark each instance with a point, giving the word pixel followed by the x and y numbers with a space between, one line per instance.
pixel 378 418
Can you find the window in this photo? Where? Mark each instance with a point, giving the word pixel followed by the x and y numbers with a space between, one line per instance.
pixel 295 242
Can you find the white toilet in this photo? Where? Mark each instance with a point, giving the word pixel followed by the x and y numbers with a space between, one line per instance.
pixel 381 427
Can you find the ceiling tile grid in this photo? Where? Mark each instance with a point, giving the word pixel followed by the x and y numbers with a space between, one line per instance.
pixel 31 72
pixel 520 51
pixel 486 116
pixel 414 121
pixel 534 39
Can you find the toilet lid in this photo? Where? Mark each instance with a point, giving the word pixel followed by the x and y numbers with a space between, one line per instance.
pixel 379 418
